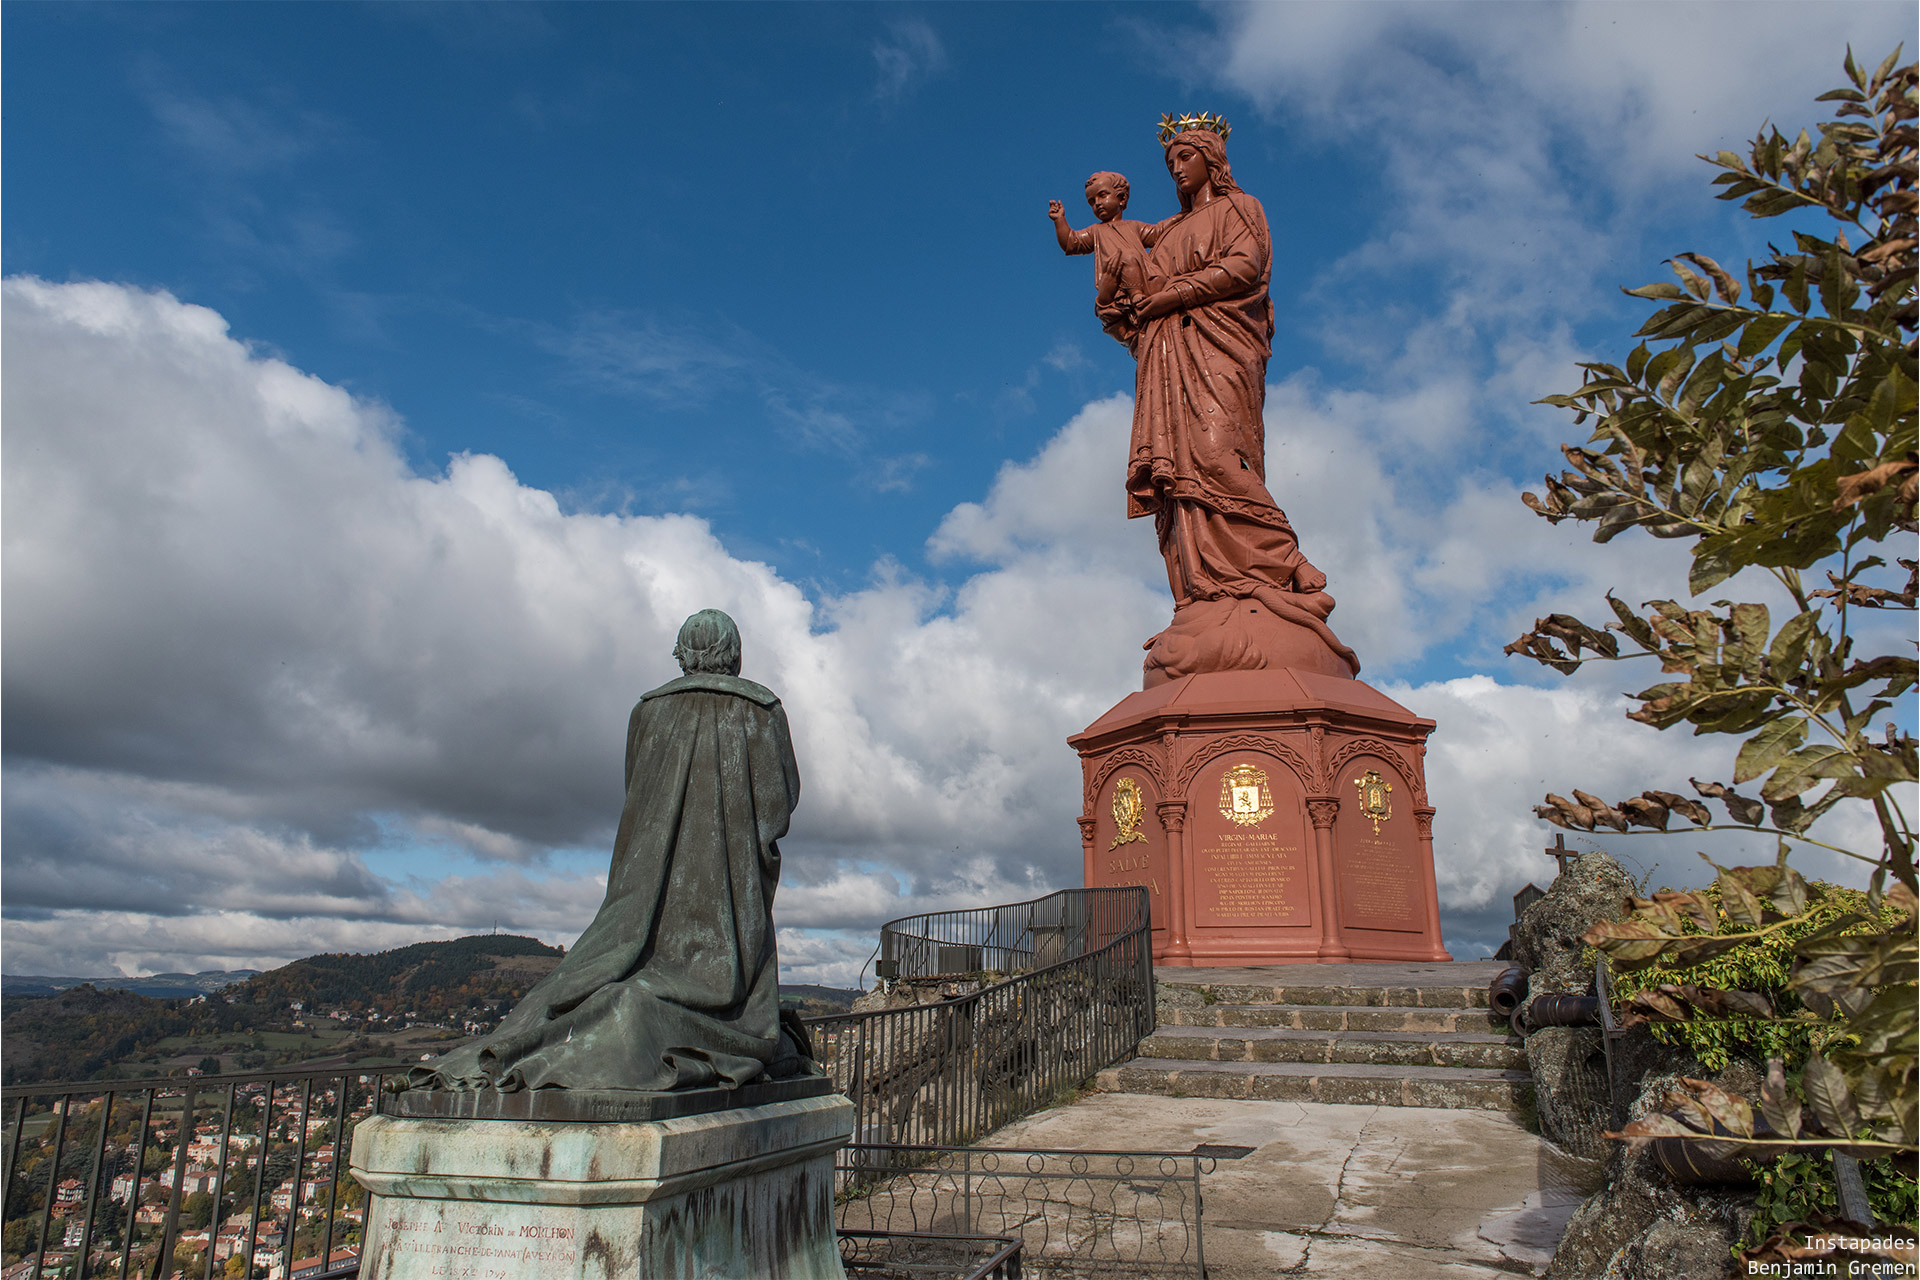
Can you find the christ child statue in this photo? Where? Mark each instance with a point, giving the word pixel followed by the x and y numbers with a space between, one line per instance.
pixel 1119 250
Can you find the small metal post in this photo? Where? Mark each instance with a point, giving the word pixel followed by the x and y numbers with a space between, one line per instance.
pixel 94 1189
pixel 53 1185
pixel 1609 1032
pixel 967 1165
pixel 1853 1190
pixel 220 1178
pixel 333 1174
pixel 260 1176
pixel 13 1145
pixel 1199 1216
pixel 171 1227
pixel 139 1176
pixel 299 1172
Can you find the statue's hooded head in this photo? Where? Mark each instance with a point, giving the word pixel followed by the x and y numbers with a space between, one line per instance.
pixel 709 642
pixel 1213 149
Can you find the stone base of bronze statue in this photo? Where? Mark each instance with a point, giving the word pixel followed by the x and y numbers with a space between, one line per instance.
pixel 1278 817
pixel 744 1191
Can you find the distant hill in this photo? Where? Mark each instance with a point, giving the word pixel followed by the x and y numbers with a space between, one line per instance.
pixel 381 1009
pixel 161 986
pixel 82 1032
pixel 484 967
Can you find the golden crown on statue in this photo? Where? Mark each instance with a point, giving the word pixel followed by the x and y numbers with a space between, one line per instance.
pixel 1170 125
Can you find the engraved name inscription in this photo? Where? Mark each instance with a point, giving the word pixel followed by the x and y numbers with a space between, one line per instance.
pixel 483 1250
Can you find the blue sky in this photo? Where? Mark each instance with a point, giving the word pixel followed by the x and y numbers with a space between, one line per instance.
pixel 384 382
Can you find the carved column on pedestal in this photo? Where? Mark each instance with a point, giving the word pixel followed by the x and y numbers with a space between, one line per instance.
pixel 1423 823
pixel 1173 820
pixel 1087 824
pixel 1323 810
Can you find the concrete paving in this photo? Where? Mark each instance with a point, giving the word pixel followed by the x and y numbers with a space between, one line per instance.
pixel 1355 1192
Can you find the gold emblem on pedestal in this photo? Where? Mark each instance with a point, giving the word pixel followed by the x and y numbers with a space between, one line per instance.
pixel 1127 810
pixel 1245 796
pixel 1374 791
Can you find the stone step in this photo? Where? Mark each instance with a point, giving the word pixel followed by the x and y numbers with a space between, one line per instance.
pixel 1459 1088
pixel 1199 992
pixel 1329 1017
pixel 1285 1044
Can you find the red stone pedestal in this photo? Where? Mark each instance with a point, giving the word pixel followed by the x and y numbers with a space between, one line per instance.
pixel 1277 816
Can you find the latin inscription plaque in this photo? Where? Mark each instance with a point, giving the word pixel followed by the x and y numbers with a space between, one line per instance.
pixel 1248 851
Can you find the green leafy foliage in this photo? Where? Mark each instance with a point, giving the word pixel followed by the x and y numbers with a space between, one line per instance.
pixel 1775 437
pixel 1768 415
pixel 1799 1187
pixel 1772 1022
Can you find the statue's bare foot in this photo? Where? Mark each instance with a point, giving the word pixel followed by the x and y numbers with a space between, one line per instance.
pixel 1307 579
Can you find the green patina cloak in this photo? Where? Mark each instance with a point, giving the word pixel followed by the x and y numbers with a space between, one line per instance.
pixel 675 983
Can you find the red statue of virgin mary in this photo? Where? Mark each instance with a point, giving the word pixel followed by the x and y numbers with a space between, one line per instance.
pixel 1273 805
pixel 1244 597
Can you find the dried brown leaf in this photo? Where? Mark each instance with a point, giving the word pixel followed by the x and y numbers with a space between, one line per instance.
pixel 1857 488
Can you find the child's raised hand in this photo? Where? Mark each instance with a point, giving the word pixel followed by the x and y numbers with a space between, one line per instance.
pixel 1055 209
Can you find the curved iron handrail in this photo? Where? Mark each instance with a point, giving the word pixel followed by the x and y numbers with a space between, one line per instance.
pixel 1010 938
pixel 958 1066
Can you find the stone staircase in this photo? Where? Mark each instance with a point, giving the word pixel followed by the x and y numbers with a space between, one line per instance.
pixel 1371 1034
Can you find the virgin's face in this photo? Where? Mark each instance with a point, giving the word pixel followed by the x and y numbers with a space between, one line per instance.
pixel 1189 169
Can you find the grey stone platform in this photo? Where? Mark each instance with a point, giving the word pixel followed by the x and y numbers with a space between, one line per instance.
pixel 745 1192
pixel 1413 1035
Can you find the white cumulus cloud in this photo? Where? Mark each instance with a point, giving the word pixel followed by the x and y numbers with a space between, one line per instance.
pixel 268 690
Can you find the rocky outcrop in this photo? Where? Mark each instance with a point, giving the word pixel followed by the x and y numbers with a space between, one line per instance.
pixel 906 993
pixel 1569 1068
pixel 1569 1064
pixel 1668 1250
pixel 1546 939
pixel 1642 1226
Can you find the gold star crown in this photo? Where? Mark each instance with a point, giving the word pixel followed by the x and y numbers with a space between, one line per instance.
pixel 1170 125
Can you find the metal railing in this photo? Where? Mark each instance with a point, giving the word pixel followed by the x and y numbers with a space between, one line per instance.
pixel 125 1164
pixel 885 1255
pixel 1079 1213
pixel 176 1175
pixel 948 1072
pixel 1008 939
pixel 173 1176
